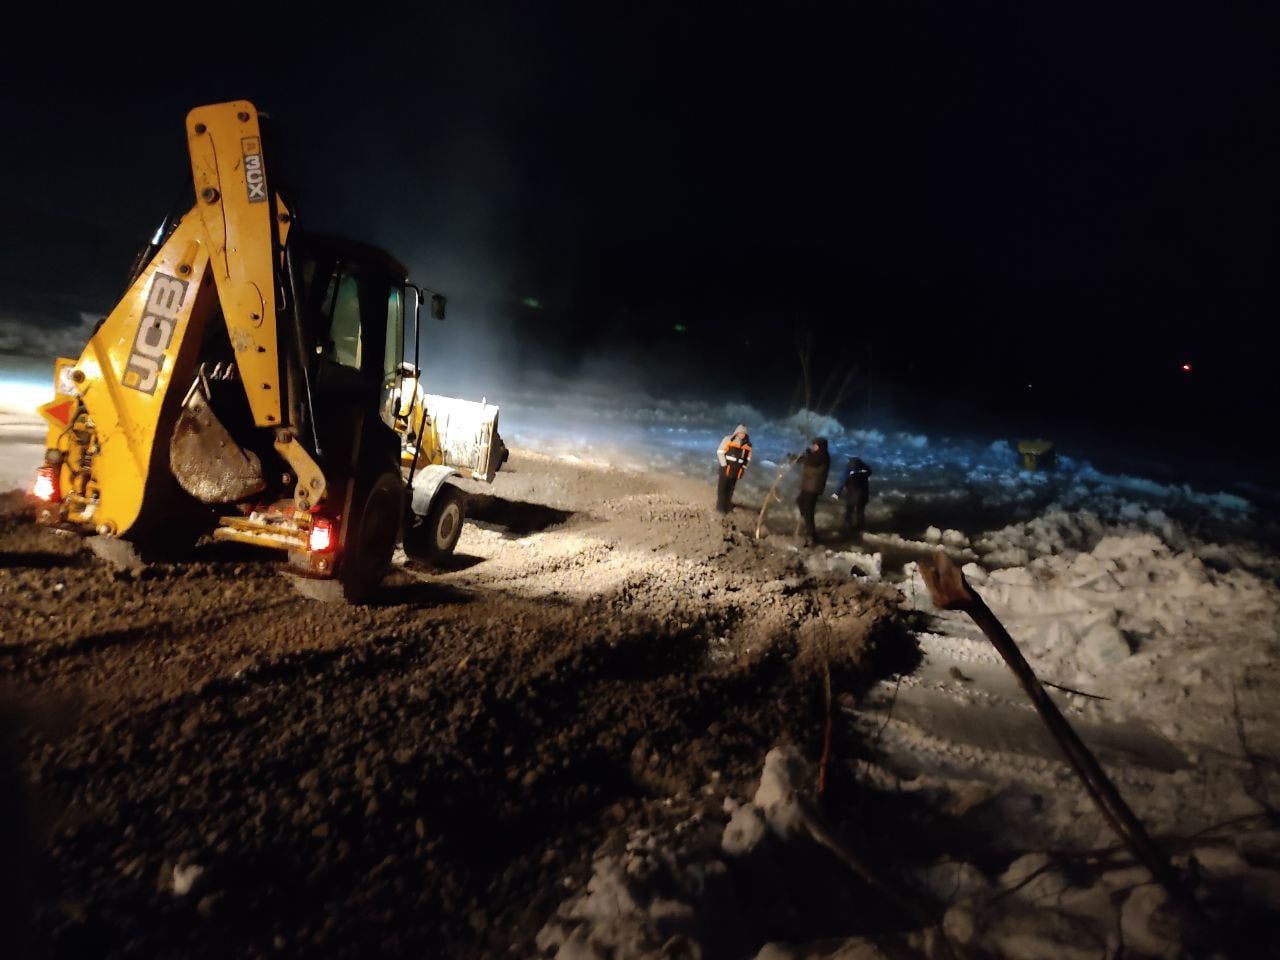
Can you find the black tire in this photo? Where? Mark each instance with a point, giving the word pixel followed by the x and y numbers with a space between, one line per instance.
pixel 368 541
pixel 433 537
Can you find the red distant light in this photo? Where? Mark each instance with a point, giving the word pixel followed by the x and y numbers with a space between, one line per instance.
pixel 321 538
pixel 46 486
pixel 1186 368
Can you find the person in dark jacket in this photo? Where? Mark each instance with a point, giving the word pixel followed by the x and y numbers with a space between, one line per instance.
pixel 733 455
pixel 816 462
pixel 855 491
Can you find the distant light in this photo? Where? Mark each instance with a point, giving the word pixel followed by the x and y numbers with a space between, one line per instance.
pixel 533 303
pixel 1186 368
pixel 1028 386
pixel 679 328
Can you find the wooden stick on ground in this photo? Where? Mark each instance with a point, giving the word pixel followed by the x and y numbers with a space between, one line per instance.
pixel 950 591
pixel 826 727
pixel 1078 693
pixel 771 496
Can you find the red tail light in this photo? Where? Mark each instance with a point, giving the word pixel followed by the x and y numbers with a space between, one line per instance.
pixel 321 538
pixel 46 486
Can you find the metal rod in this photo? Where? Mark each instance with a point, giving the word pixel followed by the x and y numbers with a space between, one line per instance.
pixel 417 385
pixel 299 342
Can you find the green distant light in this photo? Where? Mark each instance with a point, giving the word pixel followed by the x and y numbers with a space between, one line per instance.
pixel 679 328
pixel 533 303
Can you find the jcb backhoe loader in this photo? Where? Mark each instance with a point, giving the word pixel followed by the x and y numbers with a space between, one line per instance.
pixel 252 383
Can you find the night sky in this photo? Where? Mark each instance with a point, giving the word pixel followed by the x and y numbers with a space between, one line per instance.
pixel 1015 216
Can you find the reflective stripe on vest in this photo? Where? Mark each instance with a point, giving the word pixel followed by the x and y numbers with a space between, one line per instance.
pixel 739 454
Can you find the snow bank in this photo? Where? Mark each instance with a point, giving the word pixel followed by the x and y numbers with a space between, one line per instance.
pixel 1128 612
pixel 1221 504
pixel 652 900
pixel 1177 632
pixel 846 561
pixel 632 431
pixel 868 438
pixel 810 423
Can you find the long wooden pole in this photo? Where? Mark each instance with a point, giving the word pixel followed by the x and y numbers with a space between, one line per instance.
pixel 771 496
pixel 950 591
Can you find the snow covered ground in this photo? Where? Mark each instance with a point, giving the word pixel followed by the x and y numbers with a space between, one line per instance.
pixel 970 478
pixel 1157 602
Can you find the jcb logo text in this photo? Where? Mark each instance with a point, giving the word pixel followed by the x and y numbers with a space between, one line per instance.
pixel 155 332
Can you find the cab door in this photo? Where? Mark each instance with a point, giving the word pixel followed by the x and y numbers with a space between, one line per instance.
pixel 358 317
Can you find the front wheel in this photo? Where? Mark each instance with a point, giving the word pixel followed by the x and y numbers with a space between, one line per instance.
pixel 433 537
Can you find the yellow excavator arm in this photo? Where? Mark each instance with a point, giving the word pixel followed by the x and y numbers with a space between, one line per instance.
pixel 234 209
pixel 115 409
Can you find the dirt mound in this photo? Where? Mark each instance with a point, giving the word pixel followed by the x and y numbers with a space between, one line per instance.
pixel 234 770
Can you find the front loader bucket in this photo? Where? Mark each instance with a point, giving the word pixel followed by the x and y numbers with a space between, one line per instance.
pixel 466 434
pixel 206 462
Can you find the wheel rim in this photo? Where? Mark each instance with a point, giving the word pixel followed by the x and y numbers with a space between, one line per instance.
pixel 447 528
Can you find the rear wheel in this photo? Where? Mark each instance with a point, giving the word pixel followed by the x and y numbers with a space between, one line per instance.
pixel 433 537
pixel 368 542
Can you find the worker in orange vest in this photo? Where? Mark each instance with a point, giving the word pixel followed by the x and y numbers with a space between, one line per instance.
pixel 734 453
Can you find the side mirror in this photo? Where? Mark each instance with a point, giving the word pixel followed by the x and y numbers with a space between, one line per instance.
pixel 437 306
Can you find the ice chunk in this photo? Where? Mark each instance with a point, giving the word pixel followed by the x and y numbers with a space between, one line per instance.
pixel 846 561
pixel 1221 861
pixel 812 424
pixel 870 438
pixel 1148 928
pixel 184 878
pixel 785 775
pixel 744 831
pixel 950 880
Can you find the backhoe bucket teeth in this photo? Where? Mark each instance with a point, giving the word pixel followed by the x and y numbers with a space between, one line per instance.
pixel 206 462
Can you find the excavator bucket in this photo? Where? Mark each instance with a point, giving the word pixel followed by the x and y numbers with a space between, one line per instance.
pixel 206 462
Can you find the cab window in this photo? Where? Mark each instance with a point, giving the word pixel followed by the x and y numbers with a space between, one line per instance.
pixel 356 316
pixel 345 339
pixel 394 352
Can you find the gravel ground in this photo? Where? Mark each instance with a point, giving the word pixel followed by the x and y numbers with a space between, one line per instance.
pixel 204 764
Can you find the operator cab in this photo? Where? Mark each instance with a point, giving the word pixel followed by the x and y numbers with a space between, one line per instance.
pixel 353 299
